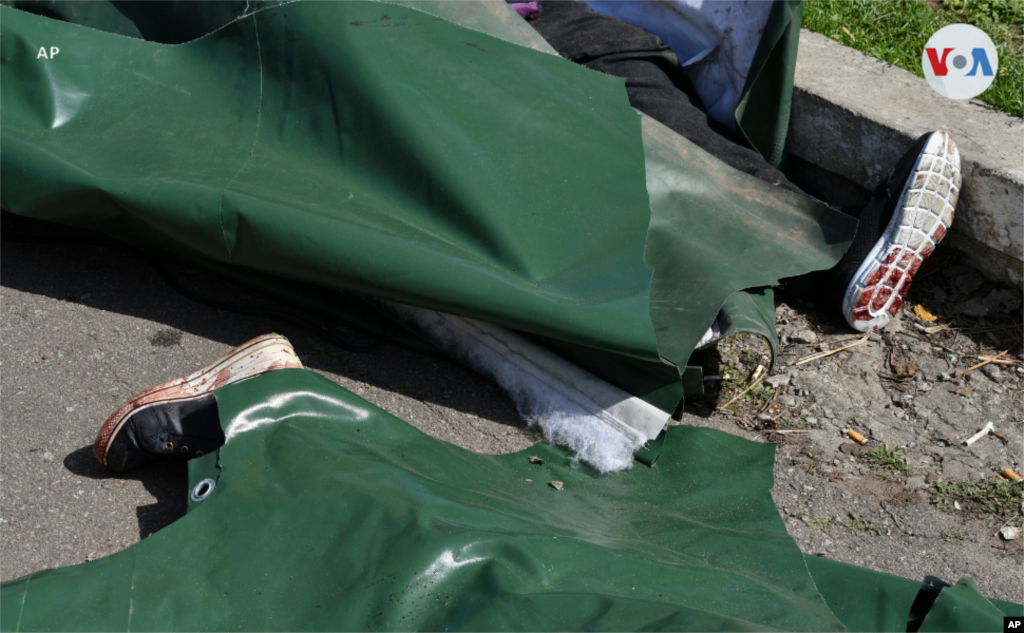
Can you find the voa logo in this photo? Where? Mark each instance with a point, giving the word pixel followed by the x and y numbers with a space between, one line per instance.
pixel 960 61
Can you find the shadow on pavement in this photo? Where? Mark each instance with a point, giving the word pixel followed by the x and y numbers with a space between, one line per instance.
pixel 166 480
pixel 107 278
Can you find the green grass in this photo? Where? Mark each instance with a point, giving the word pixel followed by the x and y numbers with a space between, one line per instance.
pixel 858 526
pixel 994 497
pixel 824 524
pixel 958 535
pixel 887 460
pixel 896 31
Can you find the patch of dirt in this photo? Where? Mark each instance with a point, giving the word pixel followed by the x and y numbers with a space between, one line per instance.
pixel 905 388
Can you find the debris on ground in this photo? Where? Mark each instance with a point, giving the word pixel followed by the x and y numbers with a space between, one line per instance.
pixel 557 485
pixel 922 313
pixel 856 437
pixel 898 387
pixel 980 434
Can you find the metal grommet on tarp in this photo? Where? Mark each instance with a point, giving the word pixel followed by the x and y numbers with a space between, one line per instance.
pixel 202 490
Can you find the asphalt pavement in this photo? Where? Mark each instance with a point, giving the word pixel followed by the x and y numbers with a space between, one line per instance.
pixel 85 327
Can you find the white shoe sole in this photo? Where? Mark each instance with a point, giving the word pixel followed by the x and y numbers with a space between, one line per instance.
pixel 923 214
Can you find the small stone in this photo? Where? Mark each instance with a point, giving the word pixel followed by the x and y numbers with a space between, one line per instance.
pixel 1010 533
pixel 854 450
pixel 777 381
pixel 956 505
pixel 787 401
pixel 992 371
pixel 812 420
pixel 917 483
pixel 48 456
pixel 875 338
pixel 806 519
pixel 803 336
pixel 931 478
pixel 828 413
pixel 557 485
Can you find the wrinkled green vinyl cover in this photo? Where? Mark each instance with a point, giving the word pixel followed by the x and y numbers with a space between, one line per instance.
pixel 330 514
pixel 385 151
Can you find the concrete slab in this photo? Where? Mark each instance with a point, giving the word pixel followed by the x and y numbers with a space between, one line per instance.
pixel 854 116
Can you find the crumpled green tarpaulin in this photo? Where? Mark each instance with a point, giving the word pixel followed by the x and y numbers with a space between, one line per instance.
pixel 330 514
pixel 382 150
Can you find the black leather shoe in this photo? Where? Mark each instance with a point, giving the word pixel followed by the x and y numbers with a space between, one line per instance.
pixel 179 418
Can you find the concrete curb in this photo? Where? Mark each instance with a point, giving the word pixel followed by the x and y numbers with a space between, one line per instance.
pixel 854 116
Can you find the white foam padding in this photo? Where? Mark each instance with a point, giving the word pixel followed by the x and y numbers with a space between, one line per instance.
pixel 600 423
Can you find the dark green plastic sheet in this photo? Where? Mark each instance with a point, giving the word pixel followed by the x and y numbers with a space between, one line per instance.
pixel 330 514
pixel 384 150
pixel 762 115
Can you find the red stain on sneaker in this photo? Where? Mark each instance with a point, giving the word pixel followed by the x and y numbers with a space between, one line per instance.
pixel 926 250
pixel 897 303
pixel 222 378
pixel 881 297
pixel 914 266
pixel 878 276
pixel 904 286
pixel 891 257
pixel 950 145
pixel 861 314
pixel 940 232
pixel 910 263
pixel 865 297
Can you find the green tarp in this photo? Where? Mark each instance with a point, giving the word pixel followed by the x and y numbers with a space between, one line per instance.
pixel 386 150
pixel 383 150
pixel 330 514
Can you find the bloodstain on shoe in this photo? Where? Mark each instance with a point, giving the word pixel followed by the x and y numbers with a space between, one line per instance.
pixel 881 297
pixel 897 303
pixel 222 378
pixel 877 277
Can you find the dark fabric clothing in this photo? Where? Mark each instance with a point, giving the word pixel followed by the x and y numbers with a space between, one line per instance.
pixel 655 81
pixel 657 85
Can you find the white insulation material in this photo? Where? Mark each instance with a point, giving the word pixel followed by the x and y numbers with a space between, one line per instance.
pixel 600 423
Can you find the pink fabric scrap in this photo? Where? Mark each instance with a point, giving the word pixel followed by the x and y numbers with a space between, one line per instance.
pixel 526 9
